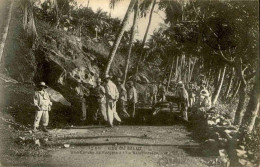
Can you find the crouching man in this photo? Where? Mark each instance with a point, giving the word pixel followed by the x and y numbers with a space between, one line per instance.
pixel 43 105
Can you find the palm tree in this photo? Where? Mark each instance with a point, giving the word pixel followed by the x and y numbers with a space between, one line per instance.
pixel 119 35
pixel 131 40
pixel 145 35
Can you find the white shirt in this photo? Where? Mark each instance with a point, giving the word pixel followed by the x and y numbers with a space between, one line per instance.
pixel 42 100
pixel 111 91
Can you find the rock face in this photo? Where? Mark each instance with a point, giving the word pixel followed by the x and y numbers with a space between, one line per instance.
pixel 65 67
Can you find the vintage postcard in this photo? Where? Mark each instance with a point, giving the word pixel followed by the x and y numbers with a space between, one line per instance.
pixel 129 83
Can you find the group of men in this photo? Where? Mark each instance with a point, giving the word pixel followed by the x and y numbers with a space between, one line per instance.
pixel 107 98
pixel 192 95
pixel 101 104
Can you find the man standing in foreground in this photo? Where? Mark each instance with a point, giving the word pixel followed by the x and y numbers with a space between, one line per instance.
pixel 43 104
pixel 112 96
pixel 132 99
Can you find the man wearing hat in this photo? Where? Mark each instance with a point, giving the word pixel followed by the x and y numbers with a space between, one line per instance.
pixel 122 98
pixel 205 99
pixel 43 105
pixel 101 99
pixel 112 95
pixel 183 99
pixel 203 93
pixel 132 99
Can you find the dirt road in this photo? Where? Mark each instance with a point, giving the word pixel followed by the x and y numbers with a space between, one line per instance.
pixel 130 146
pixel 126 146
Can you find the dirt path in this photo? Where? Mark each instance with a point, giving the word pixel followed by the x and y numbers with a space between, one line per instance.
pixel 125 145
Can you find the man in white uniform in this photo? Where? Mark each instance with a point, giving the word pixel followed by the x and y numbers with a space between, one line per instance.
pixel 112 96
pixel 43 104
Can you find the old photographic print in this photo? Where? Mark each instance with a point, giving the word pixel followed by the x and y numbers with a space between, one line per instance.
pixel 129 83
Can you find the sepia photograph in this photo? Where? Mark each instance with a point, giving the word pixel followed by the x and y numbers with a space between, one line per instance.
pixel 129 83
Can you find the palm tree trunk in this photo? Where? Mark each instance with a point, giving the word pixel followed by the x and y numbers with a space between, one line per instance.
pixel 229 84
pixel 6 28
pixel 215 97
pixel 242 95
pixel 189 69
pixel 252 109
pixel 241 103
pixel 131 40
pixel 170 76
pixel 180 67
pixel 192 68
pixel 219 76
pixel 145 36
pixel 176 68
pixel 119 35
pixel 236 89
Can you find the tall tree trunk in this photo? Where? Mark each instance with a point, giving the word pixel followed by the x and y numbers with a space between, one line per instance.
pixel 6 28
pixel 131 40
pixel 252 109
pixel 180 67
pixel 241 103
pixel 216 95
pixel 242 95
pixel 192 68
pixel 219 76
pixel 170 76
pixel 189 69
pixel 119 35
pixel 236 89
pixel 145 36
pixel 176 68
pixel 229 83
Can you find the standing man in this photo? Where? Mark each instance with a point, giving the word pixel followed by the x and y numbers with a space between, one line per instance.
pixel 112 96
pixel 101 100
pixel 122 99
pixel 43 105
pixel 161 92
pixel 183 100
pixel 153 93
pixel 80 89
pixel 204 91
pixel 192 95
pixel 132 99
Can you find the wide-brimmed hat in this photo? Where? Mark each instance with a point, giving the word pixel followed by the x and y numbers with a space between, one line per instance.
pixel 42 84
